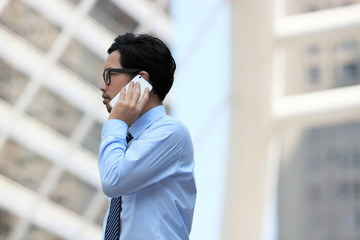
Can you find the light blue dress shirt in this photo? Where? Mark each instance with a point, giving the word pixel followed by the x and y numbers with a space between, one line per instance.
pixel 154 174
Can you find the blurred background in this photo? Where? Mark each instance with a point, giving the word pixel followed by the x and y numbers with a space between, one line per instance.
pixel 268 89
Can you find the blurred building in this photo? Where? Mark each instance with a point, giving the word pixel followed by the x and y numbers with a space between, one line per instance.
pixel 51 112
pixel 294 144
pixel 319 181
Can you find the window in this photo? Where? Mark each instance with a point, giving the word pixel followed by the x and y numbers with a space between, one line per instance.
pixel 314 193
pixel 99 220
pixel 343 190
pixel 55 112
pixel 296 7
pixel 12 82
pixel 327 63
pixel 73 193
pixel 83 62
pixel 7 222
pixel 314 75
pixel 76 2
pixel 93 138
pixel 110 16
pixel 36 233
pixel 27 23
pixel 347 63
pixel 319 179
pixel 22 165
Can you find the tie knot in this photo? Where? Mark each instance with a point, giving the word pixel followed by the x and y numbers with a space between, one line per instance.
pixel 128 137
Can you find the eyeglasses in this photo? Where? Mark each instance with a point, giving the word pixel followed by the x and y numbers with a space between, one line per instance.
pixel 107 73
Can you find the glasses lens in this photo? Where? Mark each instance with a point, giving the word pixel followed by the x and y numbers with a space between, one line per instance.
pixel 106 77
pixel 107 73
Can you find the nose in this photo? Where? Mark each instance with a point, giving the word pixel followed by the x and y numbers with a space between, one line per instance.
pixel 103 86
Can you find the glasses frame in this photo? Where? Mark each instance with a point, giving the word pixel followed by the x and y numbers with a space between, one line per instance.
pixel 107 73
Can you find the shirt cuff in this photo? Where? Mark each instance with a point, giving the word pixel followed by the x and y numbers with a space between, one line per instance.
pixel 115 128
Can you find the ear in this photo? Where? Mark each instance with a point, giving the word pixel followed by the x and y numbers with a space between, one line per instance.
pixel 145 75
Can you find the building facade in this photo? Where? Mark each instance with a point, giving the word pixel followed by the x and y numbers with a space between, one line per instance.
pixel 319 180
pixel 51 63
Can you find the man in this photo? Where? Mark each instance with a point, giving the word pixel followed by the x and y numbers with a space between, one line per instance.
pixel 146 157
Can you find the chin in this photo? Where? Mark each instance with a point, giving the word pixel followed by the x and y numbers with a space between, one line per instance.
pixel 108 107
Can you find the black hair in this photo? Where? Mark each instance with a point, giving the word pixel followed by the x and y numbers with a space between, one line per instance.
pixel 149 54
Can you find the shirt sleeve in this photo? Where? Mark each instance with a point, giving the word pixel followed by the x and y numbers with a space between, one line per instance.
pixel 112 148
pixel 148 160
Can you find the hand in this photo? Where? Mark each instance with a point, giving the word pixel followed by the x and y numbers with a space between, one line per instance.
pixel 128 108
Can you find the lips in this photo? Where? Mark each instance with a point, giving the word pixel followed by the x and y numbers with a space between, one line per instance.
pixel 106 98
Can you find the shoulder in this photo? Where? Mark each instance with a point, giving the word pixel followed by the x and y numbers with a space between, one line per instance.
pixel 173 123
pixel 169 126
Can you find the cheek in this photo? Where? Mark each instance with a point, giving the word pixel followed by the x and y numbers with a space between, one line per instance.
pixel 117 83
pixel 115 89
pixel 112 92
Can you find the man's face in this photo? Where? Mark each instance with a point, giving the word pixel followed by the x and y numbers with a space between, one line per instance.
pixel 118 80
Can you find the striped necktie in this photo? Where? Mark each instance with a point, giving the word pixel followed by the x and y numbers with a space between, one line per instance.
pixel 112 231
pixel 113 224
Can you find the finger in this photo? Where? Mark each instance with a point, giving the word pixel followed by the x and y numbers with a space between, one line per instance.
pixel 145 97
pixel 122 94
pixel 137 93
pixel 129 92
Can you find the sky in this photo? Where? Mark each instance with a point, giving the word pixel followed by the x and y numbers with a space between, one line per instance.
pixel 200 94
pixel 201 48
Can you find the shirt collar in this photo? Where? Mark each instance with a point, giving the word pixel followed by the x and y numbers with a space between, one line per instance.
pixel 146 120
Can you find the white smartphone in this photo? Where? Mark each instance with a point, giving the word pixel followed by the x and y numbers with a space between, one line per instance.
pixel 143 84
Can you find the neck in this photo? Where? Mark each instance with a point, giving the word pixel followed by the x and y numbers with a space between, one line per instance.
pixel 154 101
